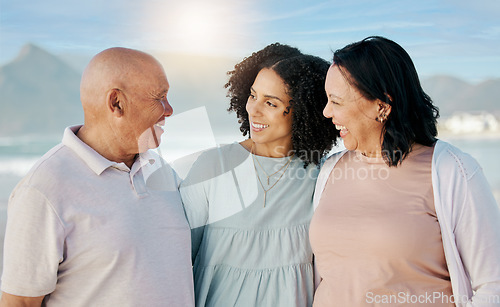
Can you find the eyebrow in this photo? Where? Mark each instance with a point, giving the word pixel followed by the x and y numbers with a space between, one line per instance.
pixel 334 96
pixel 267 96
pixel 160 93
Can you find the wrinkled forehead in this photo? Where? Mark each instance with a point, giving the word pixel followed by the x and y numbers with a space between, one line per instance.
pixel 148 75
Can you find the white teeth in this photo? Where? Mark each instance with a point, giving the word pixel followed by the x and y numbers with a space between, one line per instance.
pixel 339 127
pixel 259 126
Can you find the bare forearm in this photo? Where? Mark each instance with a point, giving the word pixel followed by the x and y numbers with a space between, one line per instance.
pixel 9 300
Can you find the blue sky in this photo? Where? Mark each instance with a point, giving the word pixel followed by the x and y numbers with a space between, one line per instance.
pixel 456 37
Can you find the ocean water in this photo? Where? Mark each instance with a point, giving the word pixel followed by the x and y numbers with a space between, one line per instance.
pixel 18 155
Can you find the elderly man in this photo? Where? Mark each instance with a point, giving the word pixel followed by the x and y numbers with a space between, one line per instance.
pixel 83 227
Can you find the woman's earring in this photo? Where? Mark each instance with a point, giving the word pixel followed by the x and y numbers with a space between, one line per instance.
pixel 382 118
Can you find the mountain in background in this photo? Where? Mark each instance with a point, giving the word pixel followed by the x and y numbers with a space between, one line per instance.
pixel 39 92
pixel 454 95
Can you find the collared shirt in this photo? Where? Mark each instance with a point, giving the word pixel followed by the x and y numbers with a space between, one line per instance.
pixel 145 164
pixel 90 232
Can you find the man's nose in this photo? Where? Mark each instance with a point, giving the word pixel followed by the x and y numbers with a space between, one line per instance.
pixel 167 108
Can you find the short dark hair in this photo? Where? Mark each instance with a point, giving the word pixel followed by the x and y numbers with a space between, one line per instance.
pixel 304 75
pixel 381 69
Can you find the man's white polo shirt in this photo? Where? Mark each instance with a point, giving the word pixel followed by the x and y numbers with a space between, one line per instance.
pixel 91 233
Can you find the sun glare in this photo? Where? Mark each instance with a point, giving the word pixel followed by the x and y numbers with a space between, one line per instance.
pixel 196 27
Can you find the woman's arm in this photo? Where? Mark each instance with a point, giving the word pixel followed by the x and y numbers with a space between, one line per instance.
pixel 477 236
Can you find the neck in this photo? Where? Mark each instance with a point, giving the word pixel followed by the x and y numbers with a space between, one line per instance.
pixel 373 152
pixel 265 150
pixel 105 145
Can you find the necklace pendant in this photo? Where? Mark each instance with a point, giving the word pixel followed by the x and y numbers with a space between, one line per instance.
pixel 282 170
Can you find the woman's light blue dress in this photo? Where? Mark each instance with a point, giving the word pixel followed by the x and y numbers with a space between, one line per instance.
pixel 245 254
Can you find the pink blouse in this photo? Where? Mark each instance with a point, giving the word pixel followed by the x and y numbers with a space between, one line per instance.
pixel 375 235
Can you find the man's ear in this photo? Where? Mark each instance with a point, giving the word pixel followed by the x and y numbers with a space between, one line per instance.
pixel 115 102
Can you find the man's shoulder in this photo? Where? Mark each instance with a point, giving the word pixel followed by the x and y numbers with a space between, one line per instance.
pixel 48 163
pixel 54 167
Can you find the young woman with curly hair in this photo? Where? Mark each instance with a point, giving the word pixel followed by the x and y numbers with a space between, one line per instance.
pixel 249 203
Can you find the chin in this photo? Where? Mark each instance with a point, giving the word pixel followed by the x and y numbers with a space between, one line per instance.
pixel 149 141
pixel 255 138
pixel 259 141
pixel 350 146
pixel 154 143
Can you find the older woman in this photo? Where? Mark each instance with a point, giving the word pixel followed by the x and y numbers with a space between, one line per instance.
pixel 249 204
pixel 401 216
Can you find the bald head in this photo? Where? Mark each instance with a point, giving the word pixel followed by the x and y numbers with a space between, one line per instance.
pixel 114 68
pixel 124 98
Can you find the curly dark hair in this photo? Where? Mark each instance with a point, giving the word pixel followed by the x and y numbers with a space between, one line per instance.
pixel 381 69
pixel 304 75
